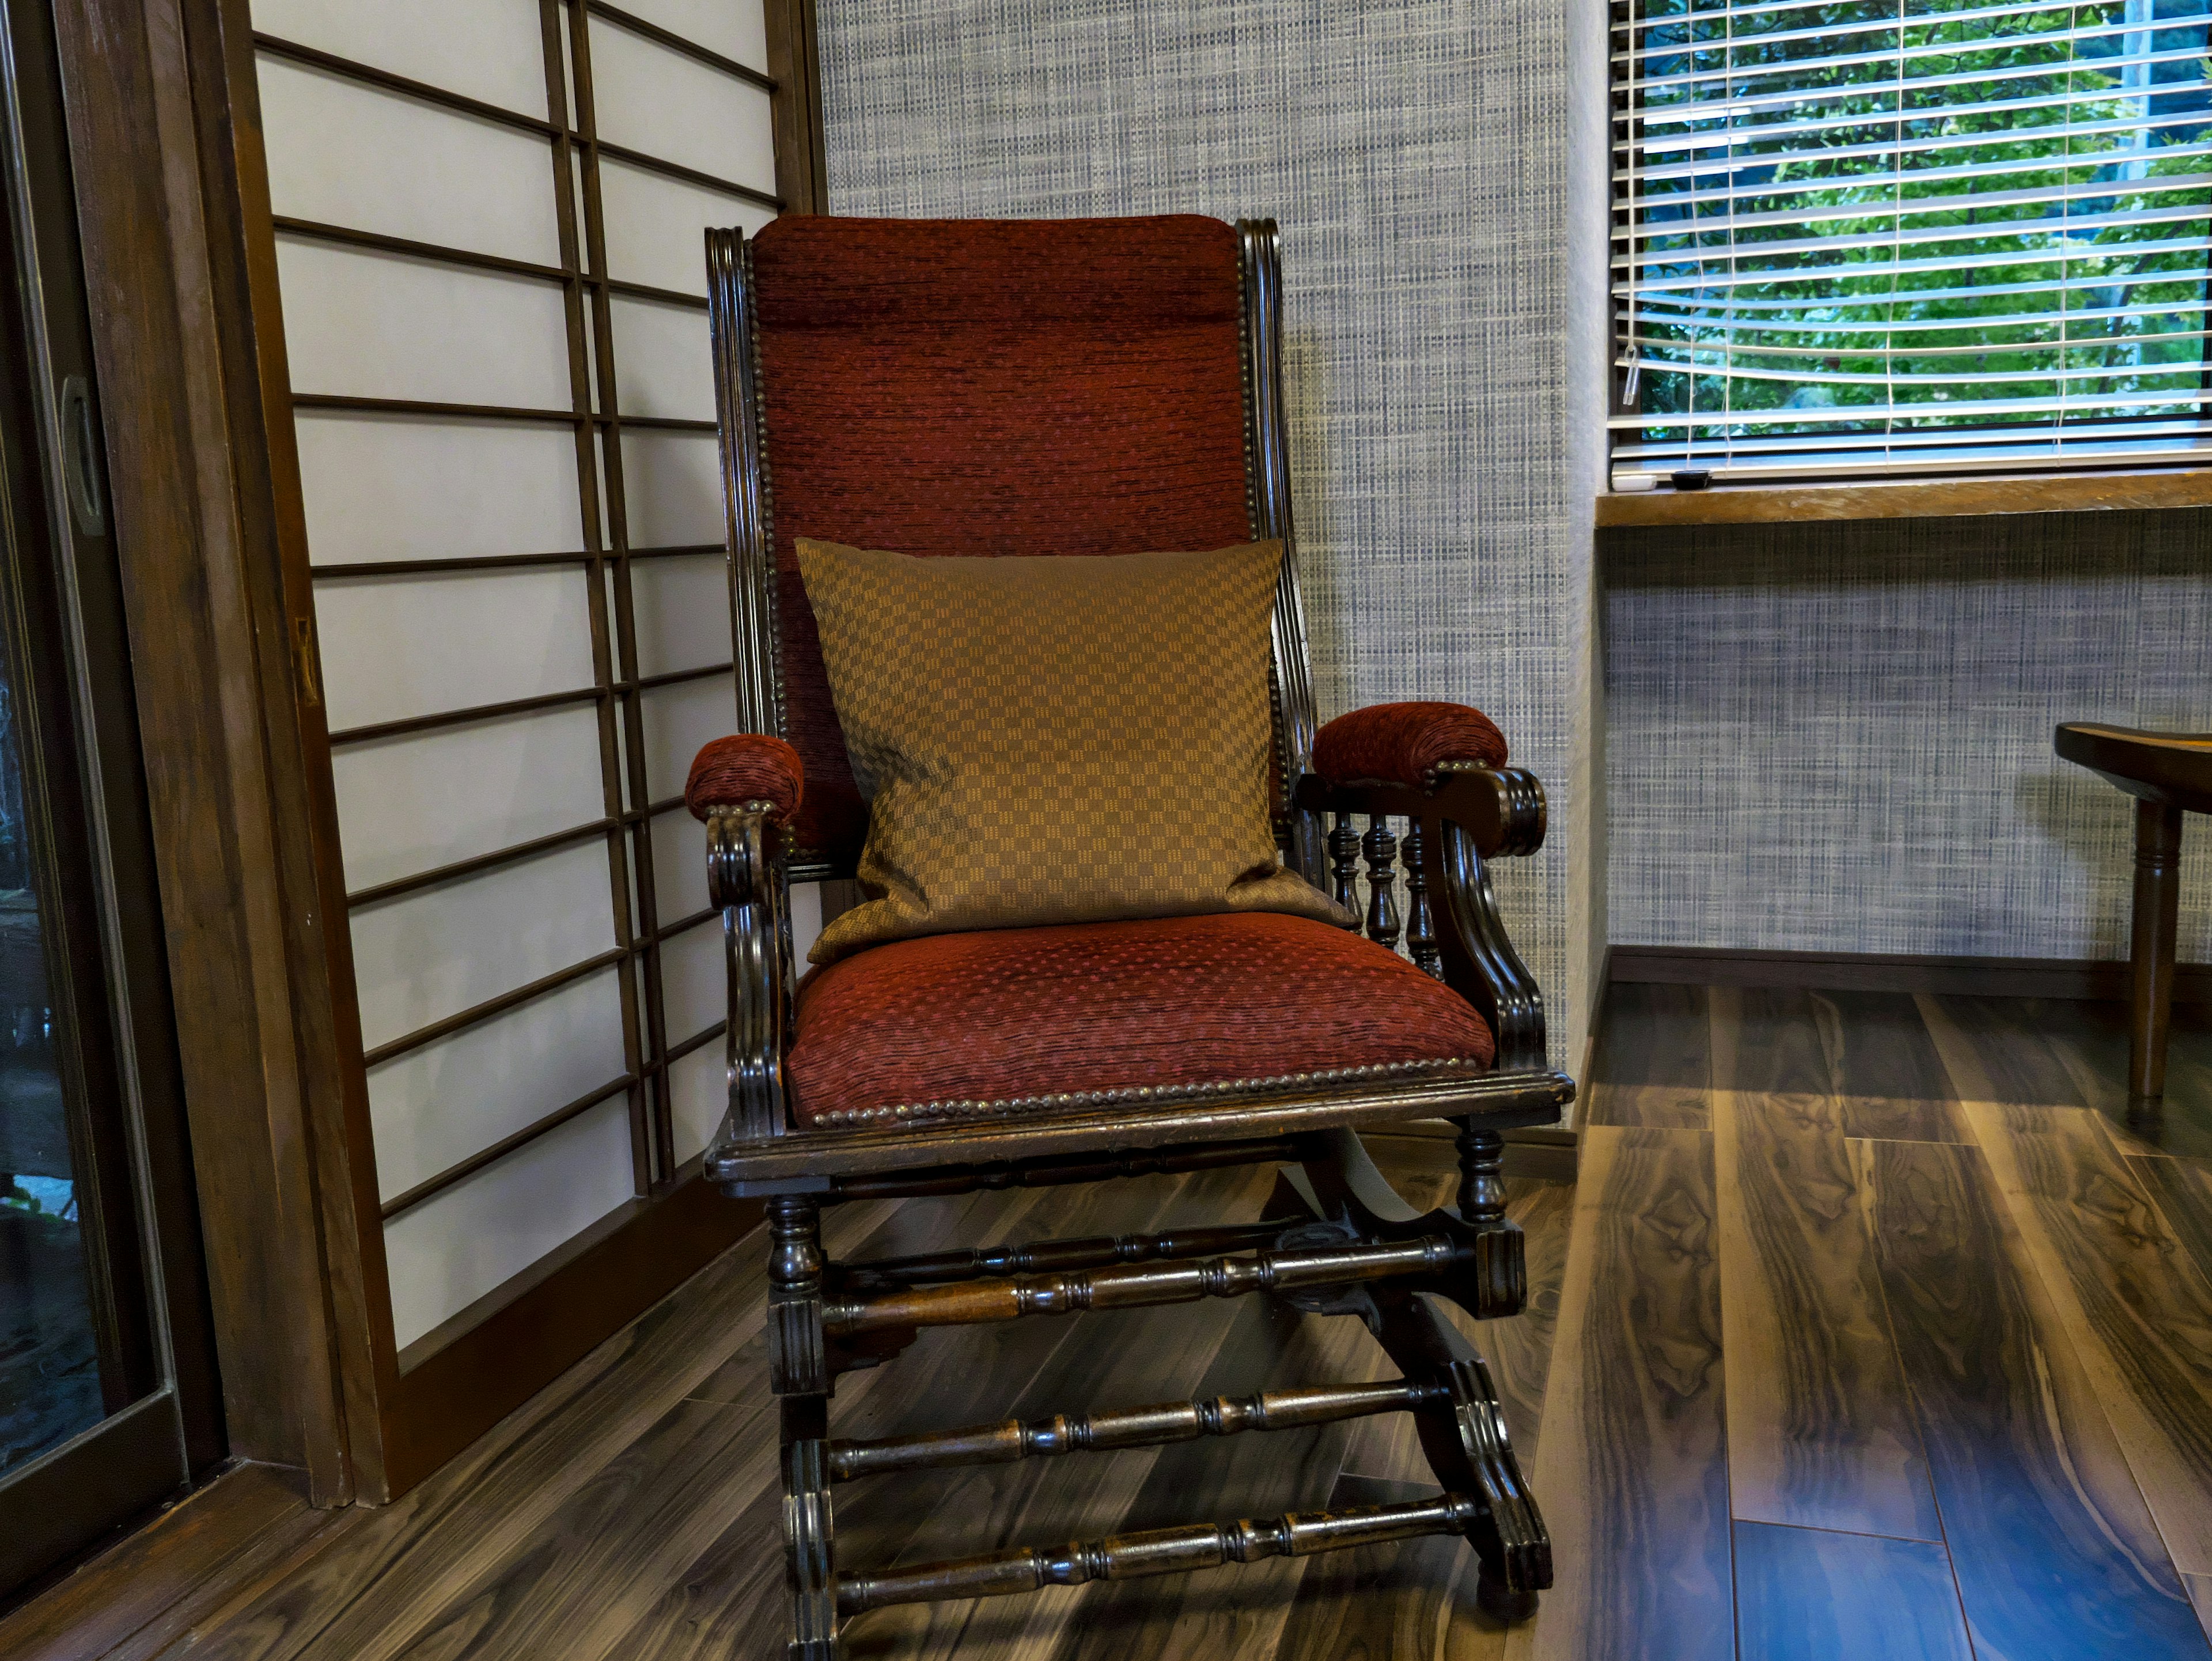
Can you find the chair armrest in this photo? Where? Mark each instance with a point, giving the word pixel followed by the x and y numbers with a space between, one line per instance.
pixel 745 767
pixel 1465 814
pixel 1404 743
pixel 748 776
pixel 745 788
pixel 1502 809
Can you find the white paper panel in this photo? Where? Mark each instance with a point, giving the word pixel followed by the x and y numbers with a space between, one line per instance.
pixel 656 226
pixel 679 863
pixel 673 484
pixel 429 799
pixel 342 153
pixel 646 97
pixel 449 1251
pixel 693 979
pixel 435 1107
pixel 679 880
pixel 375 326
pixel 681 611
pixel 664 364
pixel 698 1096
pixel 398 647
pixel 402 487
pixel 435 953
pixel 488 50
pixel 805 921
pixel 679 719
pixel 735 29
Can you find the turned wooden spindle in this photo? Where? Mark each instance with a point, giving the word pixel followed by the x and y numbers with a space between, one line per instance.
pixel 1040 1256
pixel 797 1364
pixel 1155 1426
pixel 1158 1551
pixel 969 1303
pixel 1382 883
pixel 1481 1176
pixel 1420 921
pixel 1343 869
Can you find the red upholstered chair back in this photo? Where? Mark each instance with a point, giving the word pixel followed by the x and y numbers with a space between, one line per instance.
pixel 984 386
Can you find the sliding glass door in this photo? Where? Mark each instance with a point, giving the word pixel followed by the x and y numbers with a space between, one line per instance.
pixel 106 1393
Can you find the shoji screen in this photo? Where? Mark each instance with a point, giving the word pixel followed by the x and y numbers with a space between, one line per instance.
pixel 486 221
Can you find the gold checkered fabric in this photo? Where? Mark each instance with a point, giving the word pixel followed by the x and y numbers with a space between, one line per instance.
pixel 1054 740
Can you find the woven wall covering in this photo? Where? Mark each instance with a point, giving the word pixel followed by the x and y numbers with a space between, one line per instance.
pixel 1837 737
pixel 1415 152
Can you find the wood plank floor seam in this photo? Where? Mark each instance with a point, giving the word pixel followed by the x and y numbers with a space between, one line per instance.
pixel 2135 1308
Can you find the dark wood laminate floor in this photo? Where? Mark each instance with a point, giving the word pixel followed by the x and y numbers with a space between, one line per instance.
pixel 1869 1332
pixel 1965 1344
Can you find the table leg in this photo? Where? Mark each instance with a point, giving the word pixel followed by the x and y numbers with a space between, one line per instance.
pixel 2158 907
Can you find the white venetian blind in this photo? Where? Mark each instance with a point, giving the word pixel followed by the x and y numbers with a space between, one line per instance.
pixel 1884 236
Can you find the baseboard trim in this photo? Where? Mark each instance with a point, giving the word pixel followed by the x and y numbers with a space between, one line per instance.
pixel 1872 971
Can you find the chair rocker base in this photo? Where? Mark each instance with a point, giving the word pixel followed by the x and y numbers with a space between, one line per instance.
pixel 1340 1241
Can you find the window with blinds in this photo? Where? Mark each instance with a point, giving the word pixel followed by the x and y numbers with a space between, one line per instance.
pixel 1909 236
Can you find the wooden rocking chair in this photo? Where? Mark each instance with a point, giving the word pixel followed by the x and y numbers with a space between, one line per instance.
pixel 1095 387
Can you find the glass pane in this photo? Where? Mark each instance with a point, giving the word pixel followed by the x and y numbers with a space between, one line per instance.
pixel 50 1384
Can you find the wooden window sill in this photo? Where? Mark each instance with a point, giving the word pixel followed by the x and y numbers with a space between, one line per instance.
pixel 1909 498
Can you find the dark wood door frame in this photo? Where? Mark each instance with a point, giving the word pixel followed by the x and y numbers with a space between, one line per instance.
pixel 215 709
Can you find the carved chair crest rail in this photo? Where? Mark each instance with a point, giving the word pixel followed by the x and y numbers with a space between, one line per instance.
pixel 791 310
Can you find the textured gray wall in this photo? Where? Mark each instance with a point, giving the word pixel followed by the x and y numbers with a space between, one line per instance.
pixel 1837 737
pixel 1443 400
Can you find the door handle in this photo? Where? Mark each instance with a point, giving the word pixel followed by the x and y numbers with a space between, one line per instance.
pixel 80 458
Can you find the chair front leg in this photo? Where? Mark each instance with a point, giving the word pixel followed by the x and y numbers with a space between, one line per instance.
pixel 1460 1422
pixel 1338 1181
pixel 799 1374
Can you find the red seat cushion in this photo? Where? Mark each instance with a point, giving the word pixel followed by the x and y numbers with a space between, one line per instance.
pixel 971 1025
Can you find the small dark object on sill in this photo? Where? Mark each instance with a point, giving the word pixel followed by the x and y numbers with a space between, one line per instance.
pixel 1689 479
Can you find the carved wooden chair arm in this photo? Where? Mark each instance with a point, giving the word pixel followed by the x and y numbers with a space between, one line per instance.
pixel 746 788
pixel 1501 808
pixel 1460 815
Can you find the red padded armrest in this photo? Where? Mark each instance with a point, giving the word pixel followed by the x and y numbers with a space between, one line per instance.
pixel 1399 743
pixel 742 768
